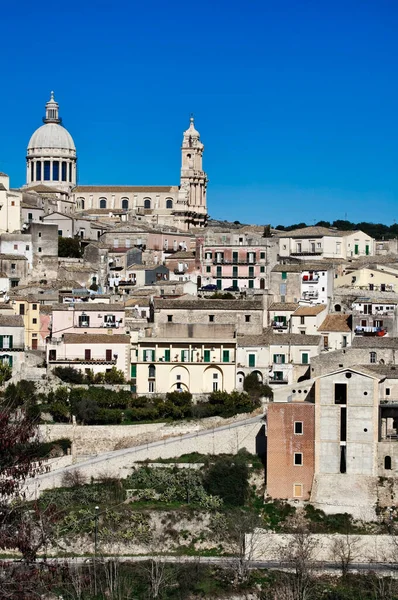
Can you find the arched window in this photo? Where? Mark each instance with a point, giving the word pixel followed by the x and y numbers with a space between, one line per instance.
pixel 147 203
pixel 102 203
pixel 151 371
pixel 372 357
pixel 169 203
pixel 125 203
pixel 80 203
pixel 337 307
pixel 387 463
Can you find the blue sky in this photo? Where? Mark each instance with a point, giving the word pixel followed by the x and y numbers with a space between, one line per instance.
pixel 296 101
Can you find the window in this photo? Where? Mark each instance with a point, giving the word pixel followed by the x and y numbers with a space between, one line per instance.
pixel 167 355
pixel 34 321
pixel 305 358
pixel 102 203
pixel 108 355
pixel 251 283
pixel 15 246
pixel 298 428
pixel 34 306
pixel 47 175
pixel 147 203
pixel 298 459
pixel 39 249
pixel 87 354
pixel 251 271
pixel 125 204
pixel 60 232
pixel 284 275
pixel 169 203
pixel 211 318
pixel 63 170
pixel 169 318
pixel 340 393
pixel 55 170
pixel 133 371
pixel 184 355
pixel 151 386
pixel 206 356
pixel 151 371
pixel 262 255
pixel 149 355
pixel 208 269
pixel 27 247
pixel 38 171
pixel 387 463
pixel 252 360
pixel 297 490
pixel 6 342
pixel 302 320
pixel 262 269
pixel 225 355
pixel 372 357
pixel 13 266
pixel 21 309
pixel 344 341
pixel 84 321
pixel 388 391
pixel 247 318
pixel 279 359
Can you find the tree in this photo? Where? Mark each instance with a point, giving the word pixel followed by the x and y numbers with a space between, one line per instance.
pixel 344 550
pixel 114 376
pixel 299 555
pixel 245 536
pixel 5 373
pixel 228 478
pixel 255 388
pixel 69 248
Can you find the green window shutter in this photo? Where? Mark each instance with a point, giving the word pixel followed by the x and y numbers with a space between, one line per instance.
pixel 283 359
pixel 275 358
pixel 304 359
pixel 251 283
pixel 284 275
pixel 262 269
pixel 153 355
pixel 10 361
pixel 252 360
pixel 219 284
pixel 207 356
pixel 208 269
pixel 235 257
pixel 262 255
pixel 167 355
pixel 356 249
pixel 182 356
pixel 225 356
pixel 367 250
pixel 251 271
pixel 1 341
pixel 11 346
pixel 133 371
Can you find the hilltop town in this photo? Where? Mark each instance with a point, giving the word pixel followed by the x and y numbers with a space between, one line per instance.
pixel 141 331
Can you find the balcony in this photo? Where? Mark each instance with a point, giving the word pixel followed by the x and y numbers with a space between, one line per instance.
pixel 312 295
pixel 233 262
pixel 180 271
pixel 307 279
pixel 370 331
pixel 274 381
pixel 128 282
pixel 79 360
pixel 306 253
pixel 279 325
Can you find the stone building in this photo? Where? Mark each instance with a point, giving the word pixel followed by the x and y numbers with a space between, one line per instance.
pixel 12 343
pixel 10 206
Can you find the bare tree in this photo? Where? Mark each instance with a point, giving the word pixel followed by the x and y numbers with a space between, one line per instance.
pixel 345 549
pixel 299 556
pixel 245 535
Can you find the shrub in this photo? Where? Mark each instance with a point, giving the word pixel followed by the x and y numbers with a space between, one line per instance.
pixel 86 411
pixel 69 247
pixel 74 478
pixel 255 388
pixel 69 374
pixel 228 478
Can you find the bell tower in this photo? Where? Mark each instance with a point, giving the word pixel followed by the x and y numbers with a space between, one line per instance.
pixel 191 204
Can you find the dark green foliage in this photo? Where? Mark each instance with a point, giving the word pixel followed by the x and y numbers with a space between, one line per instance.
pixel 69 247
pixel 225 405
pixel 19 394
pixel 277 512
pixel 69 374
pixel 114 376
pixel 255 388
pixel 86 411
pixel 178 405
pixel 54 448
pixel 320 522
pixel 222 296
pixel 228 478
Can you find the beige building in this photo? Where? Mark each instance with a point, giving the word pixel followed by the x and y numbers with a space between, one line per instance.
pixel 336 331
pixel 307 319
pixel 381 278
pixel 323 242
pixel 194 358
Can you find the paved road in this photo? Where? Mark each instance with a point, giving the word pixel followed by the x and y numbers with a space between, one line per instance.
pixel 223 561
pixel 161 443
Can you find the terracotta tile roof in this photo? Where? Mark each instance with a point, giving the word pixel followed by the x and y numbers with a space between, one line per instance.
pixel 208 304
pixel 309 311
pixel 80 189
pixel 92 306
pixel 181 254
pixel 314 232
pixel 45 189
pixel 389 371
pixel 336 322
pixel 12 257
pixel 96 338
pixel 11 321
pixel 319 265
pixel 138 301
pixel 269 338
pixel 288 306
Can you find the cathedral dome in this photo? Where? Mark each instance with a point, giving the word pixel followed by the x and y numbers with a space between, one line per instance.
pixel 51 135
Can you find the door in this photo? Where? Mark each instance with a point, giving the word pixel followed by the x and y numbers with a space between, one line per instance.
pixel 87 354
pixel 108 355
pixel 252 360
pixel 34 344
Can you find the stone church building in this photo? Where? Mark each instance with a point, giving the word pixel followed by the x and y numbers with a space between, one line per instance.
pixel 52 163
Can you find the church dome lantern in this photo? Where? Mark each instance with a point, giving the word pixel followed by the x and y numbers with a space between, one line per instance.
pixel 51 155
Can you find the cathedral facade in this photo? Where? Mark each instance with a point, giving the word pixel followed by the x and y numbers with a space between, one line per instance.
pixel 52 163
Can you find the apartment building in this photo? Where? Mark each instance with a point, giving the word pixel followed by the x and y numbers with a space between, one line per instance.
pixel 307 319
pixel 197 358
pixel 375 317
pixel 310 283
pixel 12 342
pixel 83 317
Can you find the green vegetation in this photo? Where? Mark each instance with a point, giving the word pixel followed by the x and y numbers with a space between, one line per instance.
pixel 71 375
pixel 375 230
pixel 69 247
pixel 255 388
